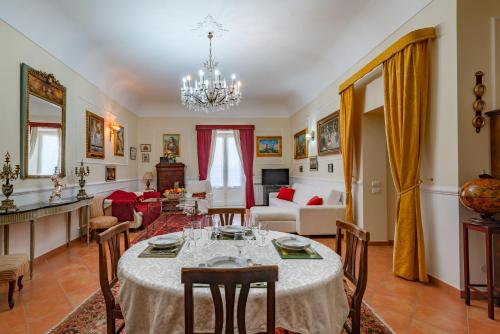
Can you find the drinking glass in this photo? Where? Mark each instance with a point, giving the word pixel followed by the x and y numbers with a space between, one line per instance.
pixel 239 241
pixel 197 231
pixel 263 231
pixel 216 224
pixel 186 234
pixel 248 235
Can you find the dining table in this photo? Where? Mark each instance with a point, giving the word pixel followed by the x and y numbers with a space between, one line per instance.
pixel 310 295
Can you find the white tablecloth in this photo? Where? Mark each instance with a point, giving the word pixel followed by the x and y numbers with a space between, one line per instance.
pixel 310 295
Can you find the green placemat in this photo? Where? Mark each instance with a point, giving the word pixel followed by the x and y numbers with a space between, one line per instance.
pixel 307 254
pixel 227 237
pixel 151 252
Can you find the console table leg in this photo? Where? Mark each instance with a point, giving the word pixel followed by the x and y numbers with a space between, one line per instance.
pixel 68 228
pixel 465 235
pixel 6 239
pixel 87 217
pixel 489 275
pixel 32 246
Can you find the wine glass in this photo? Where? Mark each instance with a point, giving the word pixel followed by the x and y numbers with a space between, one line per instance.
pixel 239 241
pixel 216 225
pixel 247 234
pixel 186 234
pixel 196 232
pixel 263 231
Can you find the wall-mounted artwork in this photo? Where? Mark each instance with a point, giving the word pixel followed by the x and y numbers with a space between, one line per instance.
pixel 171 144
pixel 301 168
pixel 329 134
pixel 133 153
pixel 313 163
pixel 120 142
pixel 110 173
pixel 145 157
pixel 300 145
pixel 145 147
pixel 95 136
pixel 269 146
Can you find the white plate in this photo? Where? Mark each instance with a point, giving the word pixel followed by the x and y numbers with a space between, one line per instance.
pixel 165 241
pixel 292 243
pixel 230 229
pixel 226 262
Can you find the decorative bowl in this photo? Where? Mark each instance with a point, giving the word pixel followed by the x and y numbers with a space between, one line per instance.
pixel 482 195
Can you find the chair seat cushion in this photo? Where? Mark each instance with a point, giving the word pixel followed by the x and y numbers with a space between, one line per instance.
pixel 268 213
pixel 13 266
pixel 103 222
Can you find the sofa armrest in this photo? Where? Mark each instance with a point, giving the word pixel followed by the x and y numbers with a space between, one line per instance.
pixel 319 219
pixel 273 195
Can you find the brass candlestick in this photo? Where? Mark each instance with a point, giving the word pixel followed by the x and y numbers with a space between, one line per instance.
pixel 8 174
pixel 81 172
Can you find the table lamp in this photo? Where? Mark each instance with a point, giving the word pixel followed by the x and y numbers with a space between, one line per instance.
pixel 148 176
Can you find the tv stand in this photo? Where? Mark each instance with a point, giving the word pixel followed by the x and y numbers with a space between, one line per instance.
pixel 270 188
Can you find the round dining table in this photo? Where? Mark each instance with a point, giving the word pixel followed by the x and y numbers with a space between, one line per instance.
pixel 310 295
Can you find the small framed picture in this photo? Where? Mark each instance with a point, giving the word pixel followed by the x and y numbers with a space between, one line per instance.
pixel 330 168
pixel 301 168
pixel 133 153
pixel 313 163
pixel 145 147
pixel 110 173
pixel 145 157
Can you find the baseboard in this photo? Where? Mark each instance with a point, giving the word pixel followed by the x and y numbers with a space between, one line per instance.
pixel 450 288
pixel 57 250
pixel 381 243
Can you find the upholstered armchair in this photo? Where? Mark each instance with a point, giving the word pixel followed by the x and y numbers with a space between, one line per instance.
pixel 98 221
pixel 203 191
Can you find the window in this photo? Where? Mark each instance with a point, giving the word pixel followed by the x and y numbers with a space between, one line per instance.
pixel 226 170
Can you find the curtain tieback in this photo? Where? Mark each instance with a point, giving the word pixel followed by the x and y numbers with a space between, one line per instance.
pixel 410 188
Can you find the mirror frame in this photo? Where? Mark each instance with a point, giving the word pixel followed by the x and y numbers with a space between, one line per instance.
pixel 47 87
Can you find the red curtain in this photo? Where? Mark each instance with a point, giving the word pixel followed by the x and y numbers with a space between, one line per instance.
pixel 204 139
pixel 247 147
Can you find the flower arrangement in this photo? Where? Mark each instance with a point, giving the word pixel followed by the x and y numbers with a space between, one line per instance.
pixel 170 156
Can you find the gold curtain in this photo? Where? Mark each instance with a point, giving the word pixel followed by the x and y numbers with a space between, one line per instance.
pixel 406 87
pixel 346 145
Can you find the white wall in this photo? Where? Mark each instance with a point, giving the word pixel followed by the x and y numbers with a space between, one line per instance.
pixel 81 96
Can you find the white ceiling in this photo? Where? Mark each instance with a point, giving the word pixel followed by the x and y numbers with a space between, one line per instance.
pixel 284 51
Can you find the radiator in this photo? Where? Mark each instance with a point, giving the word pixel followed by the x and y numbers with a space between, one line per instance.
pixel 258 194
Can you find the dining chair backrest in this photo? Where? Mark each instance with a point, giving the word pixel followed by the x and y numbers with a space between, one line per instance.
pixel 108 276
pixel 226 215
pixel 355 265
pixel 230 279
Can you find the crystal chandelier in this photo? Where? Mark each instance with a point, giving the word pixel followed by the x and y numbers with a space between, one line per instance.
pixel 210 92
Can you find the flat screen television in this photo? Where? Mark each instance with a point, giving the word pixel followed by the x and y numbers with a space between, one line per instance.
pixel 275 176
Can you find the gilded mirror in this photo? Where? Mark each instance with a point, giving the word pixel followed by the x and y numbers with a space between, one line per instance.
pixel 43 114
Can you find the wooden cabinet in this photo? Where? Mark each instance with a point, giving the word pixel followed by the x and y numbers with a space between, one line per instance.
pixel 168 174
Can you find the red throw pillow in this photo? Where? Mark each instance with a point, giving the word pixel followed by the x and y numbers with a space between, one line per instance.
pixel 151 194
pixel 315 200
pixel 202 195
pixel 286 194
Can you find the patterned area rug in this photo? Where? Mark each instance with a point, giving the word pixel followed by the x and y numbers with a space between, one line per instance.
pixel 90 316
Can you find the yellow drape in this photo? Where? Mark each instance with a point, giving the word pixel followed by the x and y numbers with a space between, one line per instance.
pixel 346 145
pixel 406 87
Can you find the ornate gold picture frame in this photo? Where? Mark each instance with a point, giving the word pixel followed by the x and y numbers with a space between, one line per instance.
pixel 328 129
pixel 95 136
pixel 268 146
pixel 300 145
pixel 119 143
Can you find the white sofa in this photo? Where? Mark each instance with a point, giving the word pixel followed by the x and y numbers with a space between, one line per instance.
pixel 297 217
pixel 195 186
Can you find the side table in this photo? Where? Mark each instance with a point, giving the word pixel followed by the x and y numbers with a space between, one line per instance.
pixel 489 228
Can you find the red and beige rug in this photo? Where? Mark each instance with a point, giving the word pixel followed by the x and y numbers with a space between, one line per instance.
pixel 90 316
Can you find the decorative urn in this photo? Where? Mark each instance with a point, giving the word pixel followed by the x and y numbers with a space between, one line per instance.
pixel 482 195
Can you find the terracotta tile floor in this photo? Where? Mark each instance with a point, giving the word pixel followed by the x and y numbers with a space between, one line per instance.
pixel 63 280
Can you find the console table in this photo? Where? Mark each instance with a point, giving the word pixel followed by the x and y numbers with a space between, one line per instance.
pixel 30 213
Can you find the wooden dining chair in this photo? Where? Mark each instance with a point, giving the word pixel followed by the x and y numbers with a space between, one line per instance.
pixel 108 278
pixel 355 264
pixel 226 215
pixel 229 278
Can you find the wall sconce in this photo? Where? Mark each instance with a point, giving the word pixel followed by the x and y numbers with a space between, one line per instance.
pixel 479 104
pixel 310 136
pixel 113 129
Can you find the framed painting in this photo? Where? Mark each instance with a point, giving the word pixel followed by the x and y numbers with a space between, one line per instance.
pixel 94 136
pixel 110 173
pixel 329 134
pixel 145 147
pixel 268 146
pixel 120 142
pixel 171 144
pixel 300 145
pixel 313 163
pixel 133 153
pixel 145 157
pixel 330 168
